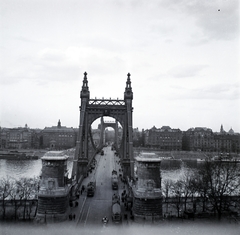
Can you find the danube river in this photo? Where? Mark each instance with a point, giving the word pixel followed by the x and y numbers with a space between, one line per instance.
pixel 29 168
pixel 17 169
pixel 25 168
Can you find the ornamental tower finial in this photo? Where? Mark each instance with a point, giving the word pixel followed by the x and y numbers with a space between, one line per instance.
pixel 85 81
pixel 128 94
pixel 128 83
pixel 85 92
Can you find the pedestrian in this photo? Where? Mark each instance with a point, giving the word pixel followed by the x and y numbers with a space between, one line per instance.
pixel 83 188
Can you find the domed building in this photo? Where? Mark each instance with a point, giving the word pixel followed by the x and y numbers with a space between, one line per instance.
pixel 231 131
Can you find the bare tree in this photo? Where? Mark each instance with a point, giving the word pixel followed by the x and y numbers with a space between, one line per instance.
pixel 176 191
pixel 6 187
pixel 166 189
pixel 187 184
pixel 13 197
pixel 219 181
pixel 27 188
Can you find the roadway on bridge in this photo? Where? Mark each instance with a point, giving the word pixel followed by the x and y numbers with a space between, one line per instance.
pixel 98 206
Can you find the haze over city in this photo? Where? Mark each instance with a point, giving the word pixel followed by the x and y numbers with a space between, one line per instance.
pixel 183 57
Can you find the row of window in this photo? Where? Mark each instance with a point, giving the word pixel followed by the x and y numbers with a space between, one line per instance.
pixel 65 136
pixel 58 135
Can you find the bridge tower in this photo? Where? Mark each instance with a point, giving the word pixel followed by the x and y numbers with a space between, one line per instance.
pixel 90 110
pixel 104 125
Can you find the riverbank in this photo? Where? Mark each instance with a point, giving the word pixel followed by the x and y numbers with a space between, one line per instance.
pixel 185 155
pixel 21 154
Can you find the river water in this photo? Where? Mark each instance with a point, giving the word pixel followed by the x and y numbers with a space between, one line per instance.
pixel 29 168
pixel 15 169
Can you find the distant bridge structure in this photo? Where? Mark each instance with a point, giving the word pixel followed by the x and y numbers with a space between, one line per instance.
pixel 92 109
pixel 103 126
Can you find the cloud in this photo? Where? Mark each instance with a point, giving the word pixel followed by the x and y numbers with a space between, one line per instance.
pixel 220 24
pixel 65 64
pixel 50 54
pixel 187 71
pixel 211 92
pixel 216 19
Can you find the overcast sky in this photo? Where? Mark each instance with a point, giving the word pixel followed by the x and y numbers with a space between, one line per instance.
pixel 183 56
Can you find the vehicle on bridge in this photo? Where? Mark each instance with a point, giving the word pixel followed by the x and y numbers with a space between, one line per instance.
pixel 91 187
pixel 115 198
pixel 116 213
pixel 116 208
pixel 114 180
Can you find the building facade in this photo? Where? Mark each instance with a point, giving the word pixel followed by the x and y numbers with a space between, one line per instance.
pixel 58 137
pixel 16 138
pixel 164 138
pixel 204 139
pixel 226 141
pixel 198 139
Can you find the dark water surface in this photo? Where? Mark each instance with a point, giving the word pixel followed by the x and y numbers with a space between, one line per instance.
pixel 23 168
pixel 171 169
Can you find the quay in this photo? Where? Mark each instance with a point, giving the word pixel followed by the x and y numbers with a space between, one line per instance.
pixel 21 154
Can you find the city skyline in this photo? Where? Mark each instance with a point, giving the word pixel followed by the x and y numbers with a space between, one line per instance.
pixel 96 123
pixel 183 58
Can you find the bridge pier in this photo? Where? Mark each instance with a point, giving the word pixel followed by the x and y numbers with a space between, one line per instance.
pixel 53 196
pixel 147 194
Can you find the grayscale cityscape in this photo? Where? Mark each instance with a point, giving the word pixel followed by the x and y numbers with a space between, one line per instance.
pixel 86 148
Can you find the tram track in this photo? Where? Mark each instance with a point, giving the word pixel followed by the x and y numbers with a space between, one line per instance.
pixel 83 215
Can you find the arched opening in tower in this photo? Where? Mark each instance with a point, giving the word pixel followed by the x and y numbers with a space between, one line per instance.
pixel 106 131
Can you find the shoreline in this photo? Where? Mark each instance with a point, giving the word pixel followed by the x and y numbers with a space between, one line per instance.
pixel 21 154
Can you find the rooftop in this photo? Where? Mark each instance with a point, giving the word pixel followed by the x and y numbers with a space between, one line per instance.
pixel 54 155
pixel 54 158
pixel 148 157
